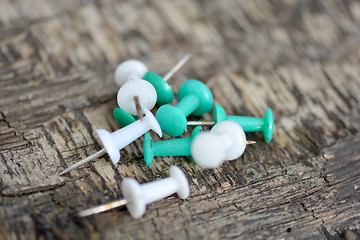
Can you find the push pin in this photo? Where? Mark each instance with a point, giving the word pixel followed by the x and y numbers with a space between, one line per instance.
pixel 115 141
pixel 137 196
pixel 225 141
pixel 195 99
pixel 249 124
pixel 175 147
pixel 131 70
pixel 136 95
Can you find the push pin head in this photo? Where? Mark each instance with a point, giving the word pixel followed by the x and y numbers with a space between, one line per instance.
pixel 137 196
pixel 163 89
pixel 195 99
pixel 129 70
pixel 268 125
pixel 225 141
pixel 137 88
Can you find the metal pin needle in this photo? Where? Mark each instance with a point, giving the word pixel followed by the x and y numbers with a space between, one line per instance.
pixel 201 123
pixel 177 67
pixel 102 208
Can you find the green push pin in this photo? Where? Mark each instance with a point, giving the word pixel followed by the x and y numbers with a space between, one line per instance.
pixel 163 89
pixel 123 118
pixel 172 147
pixel 195 99
pixel 249 124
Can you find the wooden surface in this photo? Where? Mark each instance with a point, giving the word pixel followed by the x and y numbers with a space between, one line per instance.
pixel 301 58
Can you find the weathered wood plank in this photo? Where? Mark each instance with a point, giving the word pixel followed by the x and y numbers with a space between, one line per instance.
pixel 301 58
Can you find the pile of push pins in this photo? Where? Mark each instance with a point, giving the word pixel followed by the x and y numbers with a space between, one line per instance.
pixel 140 90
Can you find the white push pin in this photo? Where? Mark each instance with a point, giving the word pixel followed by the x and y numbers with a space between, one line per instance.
pixel 115 141
pixel 137 196
pixel 225 141
pixel 140 89
pixel 133 70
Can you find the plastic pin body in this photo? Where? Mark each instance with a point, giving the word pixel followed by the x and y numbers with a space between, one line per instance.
pixel 195 99
pixel 137 196
pixel 115 141
pixel 182 146
pixel 249 124
pixel 172 147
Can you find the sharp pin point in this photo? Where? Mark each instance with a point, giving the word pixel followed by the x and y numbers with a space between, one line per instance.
pixel 249 124
pixel 177 67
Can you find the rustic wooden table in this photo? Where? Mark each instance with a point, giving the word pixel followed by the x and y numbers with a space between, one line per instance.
pixel 301 58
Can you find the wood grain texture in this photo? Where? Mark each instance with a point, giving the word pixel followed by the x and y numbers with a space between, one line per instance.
pixel 301 58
